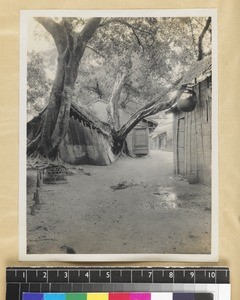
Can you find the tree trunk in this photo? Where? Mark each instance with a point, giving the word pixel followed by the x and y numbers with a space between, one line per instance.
pixel 113 106
pixel 52 116
pixel 113 112
pixel 71 47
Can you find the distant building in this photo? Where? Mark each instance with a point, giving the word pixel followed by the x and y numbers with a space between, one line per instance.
pixel 162 137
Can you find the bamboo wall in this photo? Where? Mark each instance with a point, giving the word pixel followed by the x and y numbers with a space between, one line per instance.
pixel 193 131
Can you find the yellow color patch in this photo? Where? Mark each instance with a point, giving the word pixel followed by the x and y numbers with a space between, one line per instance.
pixel 97 296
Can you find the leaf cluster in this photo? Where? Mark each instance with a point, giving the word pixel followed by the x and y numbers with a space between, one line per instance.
pixel 38 84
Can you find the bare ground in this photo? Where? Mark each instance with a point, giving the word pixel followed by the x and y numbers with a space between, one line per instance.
pixel 130 206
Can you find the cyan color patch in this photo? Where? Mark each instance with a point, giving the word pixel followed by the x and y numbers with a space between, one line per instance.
pixel 52 296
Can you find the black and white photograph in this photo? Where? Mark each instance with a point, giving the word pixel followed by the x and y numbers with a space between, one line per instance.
pixel 118 135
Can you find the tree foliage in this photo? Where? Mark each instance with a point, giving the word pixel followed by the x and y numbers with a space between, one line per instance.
pixel 164 49
pixel 38 84
pixel 151 52
pixel 155 52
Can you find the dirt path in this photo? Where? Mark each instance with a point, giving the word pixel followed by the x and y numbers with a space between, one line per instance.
pixel 131 206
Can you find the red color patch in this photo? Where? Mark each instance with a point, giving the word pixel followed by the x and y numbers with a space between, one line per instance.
pixel 119 296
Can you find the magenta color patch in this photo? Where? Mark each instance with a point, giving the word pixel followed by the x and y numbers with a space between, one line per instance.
pixel 140 296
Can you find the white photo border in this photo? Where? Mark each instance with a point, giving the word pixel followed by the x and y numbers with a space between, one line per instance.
pixel 23 256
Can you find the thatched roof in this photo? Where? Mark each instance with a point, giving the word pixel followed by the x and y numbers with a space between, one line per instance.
pixel 87 116
pixel 78 112
pixel 195 74
pixel 197 70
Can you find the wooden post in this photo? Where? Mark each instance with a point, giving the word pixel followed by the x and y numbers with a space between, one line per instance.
pixel 36 197
pixel 38 179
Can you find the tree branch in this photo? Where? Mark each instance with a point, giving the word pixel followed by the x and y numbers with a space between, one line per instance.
pixel 89 29
pixel 162 102
pixel 133 29
pixel 86 34
pixel 89 47
pixel 201 37
pixel 201 24
pixel 128 86
pixel 193 39
pixel 69 33
pixel 57 32
pixel 112 109
pixel 96 89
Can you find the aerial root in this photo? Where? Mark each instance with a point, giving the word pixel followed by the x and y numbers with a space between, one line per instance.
pixel 39 162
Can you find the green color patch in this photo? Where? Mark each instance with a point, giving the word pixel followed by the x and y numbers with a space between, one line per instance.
pixel 76 296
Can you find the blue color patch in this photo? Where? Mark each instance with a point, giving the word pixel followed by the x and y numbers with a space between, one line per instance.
pixel 33 296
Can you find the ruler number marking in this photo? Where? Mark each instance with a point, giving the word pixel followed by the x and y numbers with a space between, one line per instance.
pixel 192 274
pixel 212 274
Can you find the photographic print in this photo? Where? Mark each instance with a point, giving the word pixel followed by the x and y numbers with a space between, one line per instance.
pixel 118 135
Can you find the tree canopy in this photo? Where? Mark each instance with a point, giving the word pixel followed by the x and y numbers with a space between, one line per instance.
pixel 154 51
pixel 127 62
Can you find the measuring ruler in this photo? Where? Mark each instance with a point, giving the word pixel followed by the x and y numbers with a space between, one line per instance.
pixel 102 279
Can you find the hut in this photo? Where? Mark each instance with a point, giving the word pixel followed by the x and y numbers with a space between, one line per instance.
pixel 88 140
pixel 192 129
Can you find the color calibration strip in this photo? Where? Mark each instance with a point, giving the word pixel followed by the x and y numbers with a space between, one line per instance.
pixel 117 296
